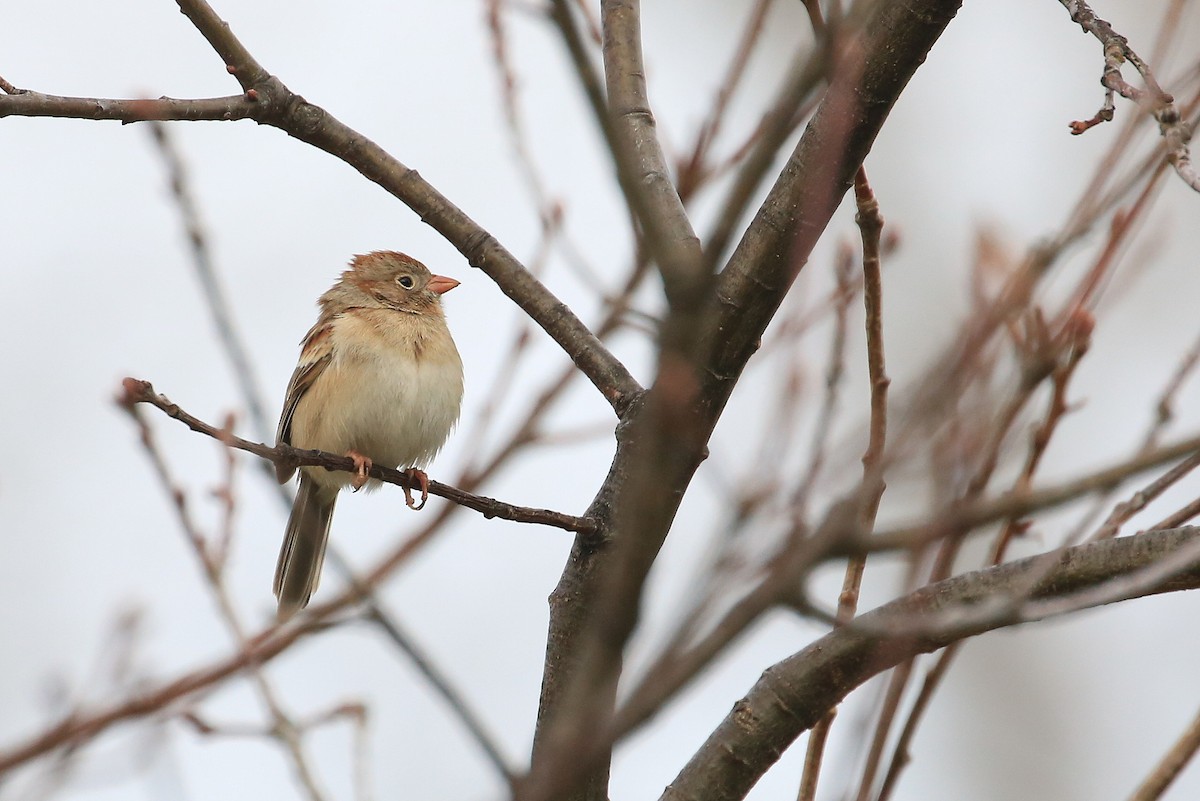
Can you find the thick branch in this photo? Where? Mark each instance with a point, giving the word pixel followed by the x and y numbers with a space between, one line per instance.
pixel 640 159
pixel 794 694
pixel 868 74
pixel 667 438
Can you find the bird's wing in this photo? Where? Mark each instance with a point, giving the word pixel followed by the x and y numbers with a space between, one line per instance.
pixel 316 352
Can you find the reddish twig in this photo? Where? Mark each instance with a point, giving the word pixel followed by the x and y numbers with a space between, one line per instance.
pixel 1171 765
pixel 834 371
pixel 27 103
pixel 1175 131
pixel 206 272
pixel 986 511
pixel 870 225
pixel 282 728
pixel 1072 343
pixel 80 727
pixel 694 171
pixel 1122 512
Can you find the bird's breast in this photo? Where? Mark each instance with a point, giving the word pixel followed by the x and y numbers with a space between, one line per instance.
pixel 392 392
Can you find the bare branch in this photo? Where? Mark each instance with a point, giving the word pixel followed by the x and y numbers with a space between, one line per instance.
pixel 282 728
pixel 694 170
pixel 874 67
pixel 794 694
pixel 27 103
pixel 137 391
pixel 1021 503
pixel 1172 764
pixel 276 105
pixel 206 273
pixel 777 124
pixel 81 727
pixel 1175 131
pixel 870 224
pixel 635 146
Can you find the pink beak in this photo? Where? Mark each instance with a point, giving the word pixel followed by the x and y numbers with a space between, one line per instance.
pixel 441 284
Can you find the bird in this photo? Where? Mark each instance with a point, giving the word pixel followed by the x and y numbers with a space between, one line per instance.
pixel 379 380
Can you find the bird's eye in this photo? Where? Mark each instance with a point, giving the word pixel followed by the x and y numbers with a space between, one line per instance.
pixel 405 281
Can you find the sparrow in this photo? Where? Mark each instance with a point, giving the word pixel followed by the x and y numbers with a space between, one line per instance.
pixel 379 380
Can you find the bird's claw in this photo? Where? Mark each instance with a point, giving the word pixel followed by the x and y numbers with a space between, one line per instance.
pixel 418 477
pixel 362 466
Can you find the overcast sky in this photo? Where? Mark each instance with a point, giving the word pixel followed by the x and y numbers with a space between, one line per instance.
pixel 97 285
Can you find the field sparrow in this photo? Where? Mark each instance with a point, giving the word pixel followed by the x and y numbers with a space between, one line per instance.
pixel 379 380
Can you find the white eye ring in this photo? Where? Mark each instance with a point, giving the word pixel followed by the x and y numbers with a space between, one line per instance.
pixel 405 281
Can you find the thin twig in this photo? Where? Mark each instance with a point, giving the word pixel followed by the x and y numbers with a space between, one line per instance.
pixel 813 756
pixel 694 171
pixel 870 225
pixel 1015 504
pixel 447 692
pixel 777 124
pixel 281 728
pixel 210 282
pixel 1123 511
pixel 137 391
pixel 1175 131
pixel 1165 408
pixel 1072 341
pixel 1182 515
pixel 834 370
pixel 1171 765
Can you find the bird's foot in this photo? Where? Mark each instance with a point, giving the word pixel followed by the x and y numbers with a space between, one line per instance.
pixel 362 466
pixel 419 478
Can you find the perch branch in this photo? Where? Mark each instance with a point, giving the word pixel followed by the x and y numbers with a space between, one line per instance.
pixel 137 391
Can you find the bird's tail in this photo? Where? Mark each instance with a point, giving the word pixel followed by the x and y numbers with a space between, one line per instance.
pixel 299 568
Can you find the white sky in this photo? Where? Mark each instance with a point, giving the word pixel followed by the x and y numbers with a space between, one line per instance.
pixel 97 285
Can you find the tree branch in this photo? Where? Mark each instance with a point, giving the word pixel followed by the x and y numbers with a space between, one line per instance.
pixel 1017 504
pixel 640 159
pixel 1174 129
pixel 269 102
pixel 868 74
pixel 794 694
pixel 77 728
pixel 702 352
pixel 27 103
pixel 138 391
